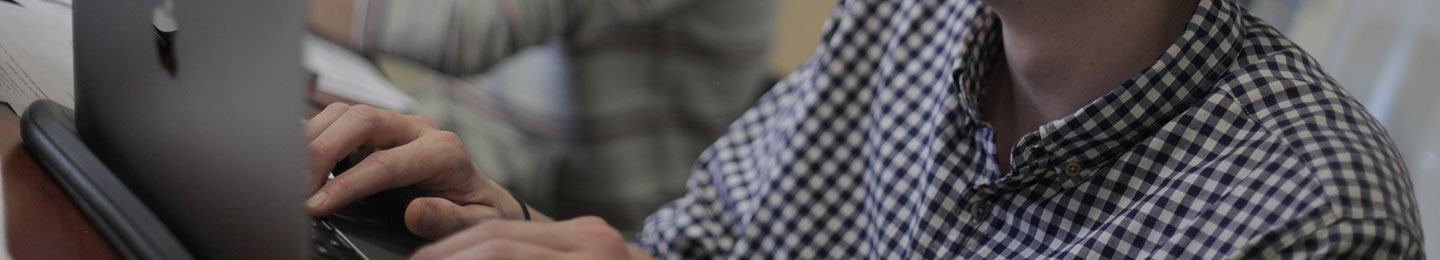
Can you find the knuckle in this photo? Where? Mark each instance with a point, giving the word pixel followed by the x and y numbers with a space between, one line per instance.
pixel 603 237
pixel 364 113
pixel 425 121
pixel 487 230
pixel 446 137
pixel 385 160
pixel 482 216
pixel 450 147
pixel 364 108
pixel 318 149
pixel 449 144
pixel 390 168
pixel 337 106
pixel 602 234
pixel 491 227
pixel 476 215
pixel 498 248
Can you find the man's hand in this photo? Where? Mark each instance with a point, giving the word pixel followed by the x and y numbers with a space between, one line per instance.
pixel 399 151
pixel 580 238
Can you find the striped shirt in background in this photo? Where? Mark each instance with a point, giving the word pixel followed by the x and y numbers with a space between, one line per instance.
pixel 606 120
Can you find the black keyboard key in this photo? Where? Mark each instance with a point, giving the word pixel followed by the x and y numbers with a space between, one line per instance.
pixel 330 244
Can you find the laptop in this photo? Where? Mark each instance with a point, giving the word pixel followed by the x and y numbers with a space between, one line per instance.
pixel 184 142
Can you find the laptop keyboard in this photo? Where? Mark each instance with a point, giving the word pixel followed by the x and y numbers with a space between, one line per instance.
pixel 330 244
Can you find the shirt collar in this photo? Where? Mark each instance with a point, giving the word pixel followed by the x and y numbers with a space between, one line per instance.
pixel 1114 123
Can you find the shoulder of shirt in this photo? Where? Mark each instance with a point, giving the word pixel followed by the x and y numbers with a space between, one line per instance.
pixel 1340 148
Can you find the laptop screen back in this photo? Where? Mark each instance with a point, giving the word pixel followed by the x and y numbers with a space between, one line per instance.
pixel 200 119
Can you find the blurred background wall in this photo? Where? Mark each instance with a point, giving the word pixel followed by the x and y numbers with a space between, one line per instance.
pixel 798 34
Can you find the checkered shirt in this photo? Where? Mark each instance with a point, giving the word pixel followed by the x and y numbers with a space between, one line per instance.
pixel 1233 144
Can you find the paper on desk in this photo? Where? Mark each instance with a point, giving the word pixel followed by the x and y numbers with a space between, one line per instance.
pixel 36 54
pixel 346 74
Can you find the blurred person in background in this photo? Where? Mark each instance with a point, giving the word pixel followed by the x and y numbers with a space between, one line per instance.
pixel 992 129
pixel 652 83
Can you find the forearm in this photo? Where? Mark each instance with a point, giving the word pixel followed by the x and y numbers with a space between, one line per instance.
pixel 332 19
pixel 462 37
pixel 458 37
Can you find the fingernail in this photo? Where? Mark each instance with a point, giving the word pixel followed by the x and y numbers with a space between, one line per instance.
pixel 428 214
pixel 315 201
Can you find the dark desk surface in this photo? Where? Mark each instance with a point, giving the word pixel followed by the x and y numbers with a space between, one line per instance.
pixel 40 220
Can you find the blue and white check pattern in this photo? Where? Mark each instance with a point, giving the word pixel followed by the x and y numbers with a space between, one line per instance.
pixel 1234 144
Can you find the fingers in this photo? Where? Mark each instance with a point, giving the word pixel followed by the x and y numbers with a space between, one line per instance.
pixel 356 126
pixel 500 249
pixel 397 167
pixel 313 128
pixel 581 238
pixel 323 120
pixel 434 218
pixel 564 236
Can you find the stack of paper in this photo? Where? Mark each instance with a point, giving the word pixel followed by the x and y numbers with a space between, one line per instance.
pixel 37 61
pixel 343 73
pixel 36 53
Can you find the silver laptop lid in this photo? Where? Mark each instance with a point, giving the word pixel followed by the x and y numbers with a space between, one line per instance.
pixel 213 148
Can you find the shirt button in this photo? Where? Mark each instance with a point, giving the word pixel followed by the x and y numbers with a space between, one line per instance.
pixel 980 210
pixel 1073 169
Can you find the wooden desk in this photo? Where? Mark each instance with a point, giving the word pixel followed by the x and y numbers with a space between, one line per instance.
pixel 40 220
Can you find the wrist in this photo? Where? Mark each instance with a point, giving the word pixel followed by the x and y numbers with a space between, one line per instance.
pixel 524 209
pixel 509 206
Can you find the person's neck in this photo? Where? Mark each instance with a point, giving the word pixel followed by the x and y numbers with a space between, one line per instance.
pixel 1061 55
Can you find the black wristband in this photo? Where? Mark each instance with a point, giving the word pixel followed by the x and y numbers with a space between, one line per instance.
pixel 523 208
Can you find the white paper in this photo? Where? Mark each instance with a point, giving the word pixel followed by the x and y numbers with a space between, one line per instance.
pixel 346 74
pixel 36 54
